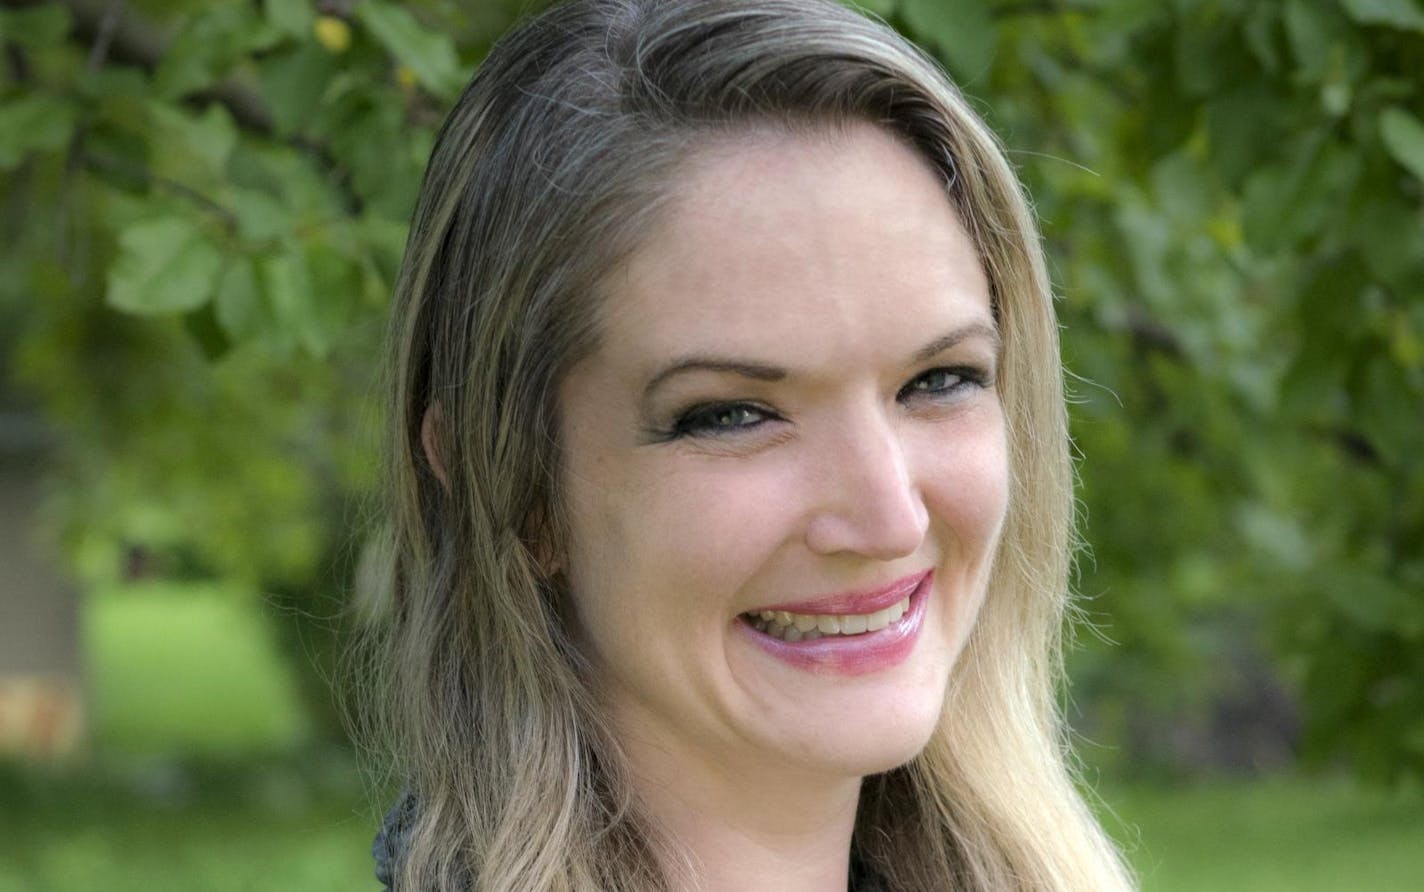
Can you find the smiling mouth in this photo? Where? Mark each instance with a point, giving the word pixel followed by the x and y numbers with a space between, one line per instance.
pixel 786 626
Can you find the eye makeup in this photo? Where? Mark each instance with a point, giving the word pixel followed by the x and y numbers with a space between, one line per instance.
pixel 725 419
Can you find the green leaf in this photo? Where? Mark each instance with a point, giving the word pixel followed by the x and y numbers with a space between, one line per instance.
pixel 961 30
pixel 239 302
pixel 33 123
pixel 1312 29
pixel 294 178
pixel 1223 45
pixel 1259 30
pixel 260 216
pixel 292 17
pixel 209 45
pixel 1274 535
pixel 110 83
pixel 288 283
pixel 382 242
pixel 294 83
pixel 1378 391
pixel 165 265
pixel 1369 601
pixel 374 144
pixel 1327 303
pixel 193 149
pixel 36 27
pixel 1376 228
pixel 1394 13
pixel 1404 138
pixel 1234 123
pixel 1286 203
pixel 430 55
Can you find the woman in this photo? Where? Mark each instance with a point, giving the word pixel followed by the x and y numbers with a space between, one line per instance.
pixel 731 488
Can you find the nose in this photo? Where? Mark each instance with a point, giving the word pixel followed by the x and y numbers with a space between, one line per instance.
pixel 867 501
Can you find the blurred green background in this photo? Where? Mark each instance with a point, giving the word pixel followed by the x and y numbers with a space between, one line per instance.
pixel 202 207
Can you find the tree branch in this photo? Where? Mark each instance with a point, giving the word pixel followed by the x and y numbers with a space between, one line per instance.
pixel 128 39
pixel 104 37
pixel 109 164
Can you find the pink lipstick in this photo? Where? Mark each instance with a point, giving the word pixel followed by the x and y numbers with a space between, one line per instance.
pixel 866 601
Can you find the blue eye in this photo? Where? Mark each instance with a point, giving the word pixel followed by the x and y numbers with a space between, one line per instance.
pixel 718 419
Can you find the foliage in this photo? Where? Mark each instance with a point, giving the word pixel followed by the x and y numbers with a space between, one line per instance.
pixel 1231 198
pixel 203 206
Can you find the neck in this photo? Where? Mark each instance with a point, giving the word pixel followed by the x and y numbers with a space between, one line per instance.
pixel 763 827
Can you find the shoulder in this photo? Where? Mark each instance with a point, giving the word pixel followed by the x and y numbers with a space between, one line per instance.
pixel 393 839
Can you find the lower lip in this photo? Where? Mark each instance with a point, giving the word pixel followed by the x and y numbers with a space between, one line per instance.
pixel 852 654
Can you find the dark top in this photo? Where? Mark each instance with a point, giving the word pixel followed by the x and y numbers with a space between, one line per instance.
pixel 394 837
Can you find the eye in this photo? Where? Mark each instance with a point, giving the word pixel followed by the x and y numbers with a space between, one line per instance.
pixel 941 382
pixel 720 419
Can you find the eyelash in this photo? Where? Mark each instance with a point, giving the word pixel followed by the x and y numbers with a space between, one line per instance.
pixel 700 420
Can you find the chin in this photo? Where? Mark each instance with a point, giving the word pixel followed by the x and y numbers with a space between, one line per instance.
pixel 869 741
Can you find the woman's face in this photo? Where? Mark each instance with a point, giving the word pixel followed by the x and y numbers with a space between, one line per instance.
pixel 791 414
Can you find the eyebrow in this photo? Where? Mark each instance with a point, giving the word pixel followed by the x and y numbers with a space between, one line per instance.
pixel 941 344
pixel 761 372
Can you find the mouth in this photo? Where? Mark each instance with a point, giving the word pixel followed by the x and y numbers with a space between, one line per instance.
pixel 787 626
pixel 845 634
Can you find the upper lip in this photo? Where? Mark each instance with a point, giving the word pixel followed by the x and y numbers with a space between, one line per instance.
pixel 854 602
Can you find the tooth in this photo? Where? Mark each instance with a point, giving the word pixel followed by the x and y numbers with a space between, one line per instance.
pixel 811 635
pixel 805 622
pixel 853 625
pixel 783 617
pixel 792 634
pixel 766 614
pixel 759 625
pixel 828 625
pixel 899 609
pixel 878 620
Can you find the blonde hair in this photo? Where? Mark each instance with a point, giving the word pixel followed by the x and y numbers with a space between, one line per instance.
pixel 548 173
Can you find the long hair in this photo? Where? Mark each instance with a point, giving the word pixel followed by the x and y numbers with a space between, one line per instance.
pixel 551 169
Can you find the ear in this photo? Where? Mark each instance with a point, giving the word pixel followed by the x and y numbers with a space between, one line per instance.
pixel 543 546
pixel 430 440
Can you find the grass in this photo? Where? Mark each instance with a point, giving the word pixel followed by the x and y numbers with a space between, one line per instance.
pixel 238 831
pixel 200 782
pixel 189 669
pixel 285 828
pixel 199 777
pixel 1283 834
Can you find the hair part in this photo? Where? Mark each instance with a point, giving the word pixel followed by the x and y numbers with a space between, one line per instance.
pixel 550 171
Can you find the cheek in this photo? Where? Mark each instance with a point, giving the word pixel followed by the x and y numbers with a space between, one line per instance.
pixel 651 549
pixel 967 489
pixel 720 513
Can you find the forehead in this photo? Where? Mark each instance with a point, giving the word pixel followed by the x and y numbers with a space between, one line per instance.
pixel 773 236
